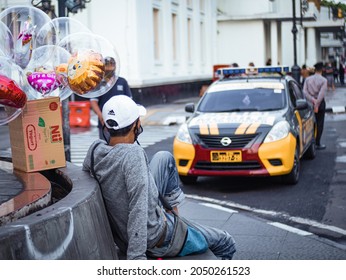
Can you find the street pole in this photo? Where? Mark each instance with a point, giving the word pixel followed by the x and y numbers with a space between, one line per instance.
pixel 295 67
pixel 65 103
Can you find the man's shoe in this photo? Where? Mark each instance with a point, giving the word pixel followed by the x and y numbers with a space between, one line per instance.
pixel 320 147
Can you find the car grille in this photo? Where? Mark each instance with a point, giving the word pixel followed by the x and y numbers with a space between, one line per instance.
pixel 248 165
pixel 238 141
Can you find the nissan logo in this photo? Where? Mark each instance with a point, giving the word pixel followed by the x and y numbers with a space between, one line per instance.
pixel 226 141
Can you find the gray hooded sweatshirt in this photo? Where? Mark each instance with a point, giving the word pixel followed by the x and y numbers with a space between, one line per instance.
pixel 130 194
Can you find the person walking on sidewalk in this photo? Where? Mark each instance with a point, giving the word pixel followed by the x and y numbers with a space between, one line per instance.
pixel 341 73
pixel 315 88
pixel 120 87
pixel 131 185
pixel 329 71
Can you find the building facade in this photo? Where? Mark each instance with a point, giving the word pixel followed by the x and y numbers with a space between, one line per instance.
pixel 262 29
pixel 167 48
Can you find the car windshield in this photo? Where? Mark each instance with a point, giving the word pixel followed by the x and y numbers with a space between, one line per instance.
pixel 248 98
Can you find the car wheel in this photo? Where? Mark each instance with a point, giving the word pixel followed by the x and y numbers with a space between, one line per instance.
pixel 188 179
pixel 293 177
pixel 311 151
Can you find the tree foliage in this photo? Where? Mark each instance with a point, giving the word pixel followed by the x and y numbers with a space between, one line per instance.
pixel 333 4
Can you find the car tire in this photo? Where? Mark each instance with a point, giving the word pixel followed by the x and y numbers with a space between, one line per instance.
pixel 189 180
pixel 311 151
pixel 292 178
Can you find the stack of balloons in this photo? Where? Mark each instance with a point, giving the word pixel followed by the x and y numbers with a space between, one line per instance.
pixel 42 57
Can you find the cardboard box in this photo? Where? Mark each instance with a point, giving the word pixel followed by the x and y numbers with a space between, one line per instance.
pixel 36 136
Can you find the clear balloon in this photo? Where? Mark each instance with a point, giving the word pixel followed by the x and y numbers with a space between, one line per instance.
pixel 57 29
pixel 6 41
pixel 13 87
pixel 23 23
pixel 43 76
pixel 93 66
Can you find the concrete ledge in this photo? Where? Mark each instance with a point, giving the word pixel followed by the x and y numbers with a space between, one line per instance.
pixel 75 227
pixel 336 109
pixel 35 195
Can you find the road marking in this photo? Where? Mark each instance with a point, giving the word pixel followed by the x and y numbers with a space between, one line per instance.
pixel 218 207
pixel 297 220
pixel 338 109
pixel 290 229
pixel 341 159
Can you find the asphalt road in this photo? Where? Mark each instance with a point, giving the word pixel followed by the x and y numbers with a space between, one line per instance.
pixel 319 196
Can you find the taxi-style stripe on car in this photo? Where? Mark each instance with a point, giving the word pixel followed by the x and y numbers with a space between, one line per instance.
pixel 243 128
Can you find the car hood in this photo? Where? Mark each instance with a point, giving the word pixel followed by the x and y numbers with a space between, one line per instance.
pixel 236 118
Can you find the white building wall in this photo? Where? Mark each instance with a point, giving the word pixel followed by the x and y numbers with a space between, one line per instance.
pixel 241 42
pixel 128 24
pixel 287 44
pixel 244 7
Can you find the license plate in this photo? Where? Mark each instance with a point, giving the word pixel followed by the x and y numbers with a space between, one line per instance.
pixel 227 156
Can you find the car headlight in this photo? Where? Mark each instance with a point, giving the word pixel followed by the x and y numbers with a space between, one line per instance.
pixel 278 132
pixel 183 134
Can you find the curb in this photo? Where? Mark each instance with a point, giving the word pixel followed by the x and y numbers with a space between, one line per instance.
pixel 336 109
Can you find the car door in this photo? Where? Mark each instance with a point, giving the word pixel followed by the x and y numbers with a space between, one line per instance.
pixel 304 116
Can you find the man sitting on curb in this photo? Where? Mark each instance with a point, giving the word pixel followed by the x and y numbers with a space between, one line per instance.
pixel 131 186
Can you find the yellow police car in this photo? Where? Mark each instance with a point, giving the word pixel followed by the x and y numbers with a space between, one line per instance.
pixel 251 122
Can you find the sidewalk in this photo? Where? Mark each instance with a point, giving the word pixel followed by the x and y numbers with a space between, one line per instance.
pixel 336 100
pixel 260 239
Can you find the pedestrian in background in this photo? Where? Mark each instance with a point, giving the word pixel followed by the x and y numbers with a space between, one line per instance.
pixel 315 88
pixel 341 73
pixel 329 70
pixel 304 73
pixel 120 87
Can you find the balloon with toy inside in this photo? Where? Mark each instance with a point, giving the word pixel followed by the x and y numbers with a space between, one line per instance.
pixel 93 67
pixel 23 23
pixel 13 87
pixel 43 76
pixel 57 29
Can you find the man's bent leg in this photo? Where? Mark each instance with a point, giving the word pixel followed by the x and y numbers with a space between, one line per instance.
pixel 220 242
pixel 166 177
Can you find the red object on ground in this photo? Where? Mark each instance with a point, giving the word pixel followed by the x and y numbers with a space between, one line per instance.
pixel 79 113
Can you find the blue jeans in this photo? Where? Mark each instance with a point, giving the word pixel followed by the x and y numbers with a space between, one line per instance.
pixel 166 177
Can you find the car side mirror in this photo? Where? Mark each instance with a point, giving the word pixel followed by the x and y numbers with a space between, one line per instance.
pixel 190 108
pixel 301 104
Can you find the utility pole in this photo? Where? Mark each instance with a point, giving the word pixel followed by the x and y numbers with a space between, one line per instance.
pixel 65 103
pixel 295 67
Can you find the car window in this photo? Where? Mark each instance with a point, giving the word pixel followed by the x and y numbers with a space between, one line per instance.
pixel 295 92
pixel 244 99
pixel 298 91
pixel 293 97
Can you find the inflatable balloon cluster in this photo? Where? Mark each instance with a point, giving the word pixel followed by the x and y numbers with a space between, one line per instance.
pixel 41 57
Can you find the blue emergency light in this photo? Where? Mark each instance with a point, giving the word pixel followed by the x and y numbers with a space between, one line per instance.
pixel 231 71
pixel 273 69
pixel 236 71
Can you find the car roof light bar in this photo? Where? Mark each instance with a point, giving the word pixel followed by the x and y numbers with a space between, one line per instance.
pixel 238 71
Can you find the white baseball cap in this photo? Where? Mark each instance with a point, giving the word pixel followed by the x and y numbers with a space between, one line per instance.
pixel 123 110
